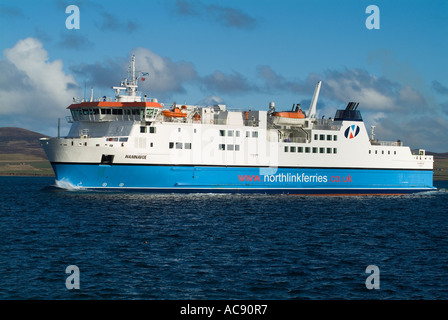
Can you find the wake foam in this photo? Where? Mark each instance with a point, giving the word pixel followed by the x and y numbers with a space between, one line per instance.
pixel 67 185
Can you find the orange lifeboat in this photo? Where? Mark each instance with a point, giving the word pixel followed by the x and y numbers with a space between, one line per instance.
pixel 293 117
pixel 176 113
pixel 290 114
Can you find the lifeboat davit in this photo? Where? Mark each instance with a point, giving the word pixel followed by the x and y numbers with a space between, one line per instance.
pixel 175 113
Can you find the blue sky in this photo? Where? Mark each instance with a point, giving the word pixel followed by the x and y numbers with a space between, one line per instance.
pixel 242 53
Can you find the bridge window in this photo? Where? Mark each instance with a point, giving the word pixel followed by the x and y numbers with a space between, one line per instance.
pixel 149 112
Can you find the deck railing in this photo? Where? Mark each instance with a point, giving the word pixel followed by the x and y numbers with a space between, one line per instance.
pixel 386 143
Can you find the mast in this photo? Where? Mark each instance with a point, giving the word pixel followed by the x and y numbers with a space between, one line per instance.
pixel 312 109
pixel 132 85
pixel 372 133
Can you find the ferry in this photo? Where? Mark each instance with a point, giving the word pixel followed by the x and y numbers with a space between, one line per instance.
pixel 132 142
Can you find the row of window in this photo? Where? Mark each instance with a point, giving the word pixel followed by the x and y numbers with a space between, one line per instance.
pixel 329 137
pixel 311 149
pixel 148 129
pixel 230 147
pixel 222 133
pixel 187 145
pixel 124 139
pixel 236 133
pixel 179 145
pixel 115 111
pixel 382 152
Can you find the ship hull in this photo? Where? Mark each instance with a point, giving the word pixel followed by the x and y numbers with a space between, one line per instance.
pixel 165 178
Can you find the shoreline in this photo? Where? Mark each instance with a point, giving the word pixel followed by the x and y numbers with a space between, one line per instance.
pixel 18 174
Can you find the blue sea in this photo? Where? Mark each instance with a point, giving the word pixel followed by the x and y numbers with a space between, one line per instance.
pixel 219 246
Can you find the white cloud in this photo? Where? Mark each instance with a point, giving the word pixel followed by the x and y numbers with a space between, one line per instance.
pixel 227 83
pixel 372 93
pixel 226 16
pixel 38 90
pixel 210 101
pixel 165 76
pixel 409 96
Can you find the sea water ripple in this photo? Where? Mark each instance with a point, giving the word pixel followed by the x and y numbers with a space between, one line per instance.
pixel 219 246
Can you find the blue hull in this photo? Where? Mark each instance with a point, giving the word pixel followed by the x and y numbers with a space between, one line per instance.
pixel 244 179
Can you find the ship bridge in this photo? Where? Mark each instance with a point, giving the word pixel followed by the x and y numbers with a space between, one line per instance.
pixel 99 111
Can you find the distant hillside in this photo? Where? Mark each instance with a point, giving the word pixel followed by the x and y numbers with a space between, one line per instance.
pixel 21 153
pixel 440 165
pixel 21 141
pixel 438 155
